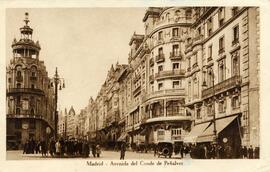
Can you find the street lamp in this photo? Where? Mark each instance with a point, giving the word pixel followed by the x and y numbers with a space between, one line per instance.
pixel 57 83
pixel 211 72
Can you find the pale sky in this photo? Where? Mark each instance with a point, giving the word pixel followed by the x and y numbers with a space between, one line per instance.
pixel 81 42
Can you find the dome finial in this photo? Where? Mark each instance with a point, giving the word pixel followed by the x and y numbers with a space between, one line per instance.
pixel 26 20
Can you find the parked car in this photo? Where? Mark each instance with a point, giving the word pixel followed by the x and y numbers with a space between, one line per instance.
pixel 165 149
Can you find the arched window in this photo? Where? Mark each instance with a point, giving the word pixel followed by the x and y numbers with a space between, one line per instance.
pixel 32 112
pixel 18 111
pixel 168 16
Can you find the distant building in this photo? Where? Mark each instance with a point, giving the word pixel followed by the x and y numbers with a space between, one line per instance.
pixel 62 124
pixel 30 99
pixel 71 123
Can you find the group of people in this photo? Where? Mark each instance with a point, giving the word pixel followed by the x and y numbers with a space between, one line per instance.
pixel 204 151
pixel 62 148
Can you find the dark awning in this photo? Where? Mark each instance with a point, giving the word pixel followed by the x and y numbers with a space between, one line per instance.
pixel 221 124
pixel 196 131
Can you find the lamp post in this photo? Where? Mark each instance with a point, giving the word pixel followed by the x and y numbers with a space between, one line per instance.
pixel 57 83
pixel 214 115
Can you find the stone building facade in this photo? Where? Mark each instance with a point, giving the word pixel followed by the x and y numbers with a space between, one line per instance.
pixel 30 98
pixel 192 77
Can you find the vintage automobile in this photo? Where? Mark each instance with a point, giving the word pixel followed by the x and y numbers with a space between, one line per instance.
pixel 165 149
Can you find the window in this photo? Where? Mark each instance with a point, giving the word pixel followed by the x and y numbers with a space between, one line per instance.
pixel 18 124
pixel 189 62
pixel 235 64
pixel 175 50
pixel 234 11
pixel 174 108
pixel 221 16
pixel 160 86
pixel 32 124
pixel 210 52
pixel 198 113
pixel 160 51
pixel 222 106
pixel 18 100
pixel 160 134
pixel 176 132
pixel 209 26
pixel 196 58
pixel 210 109
pixel 235 35
pixel 175 32
pixel 32 86
pixel 18 85
pixel 33 74
pixel 160 68
pixel 195 88
pixel 158 109
pixel 188 14
pixel 176 84
pixel 210 77
pixel 160 35
pixel 235 102
pixel 221 70
pixel 19 73
pixel 18 111
pixel 175 66
pixel 199 31
pixel 221 45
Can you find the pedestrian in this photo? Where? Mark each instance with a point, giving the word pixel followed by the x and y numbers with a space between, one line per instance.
pixel 52 147
pixel 245 152
pixel 25 147
pixel 93 150
pixel 182 151
pixel 98 150
pixel 122 151
pixel 257 153
pixel 57 148
pixel 250 152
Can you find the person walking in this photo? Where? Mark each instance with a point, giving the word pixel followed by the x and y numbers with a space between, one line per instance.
pixel 98 150
pixel 122 151
pixel 57 148
pixel 93 150
pixel 250 152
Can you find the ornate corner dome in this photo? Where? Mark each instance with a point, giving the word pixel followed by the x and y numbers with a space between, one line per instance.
pixel 26 47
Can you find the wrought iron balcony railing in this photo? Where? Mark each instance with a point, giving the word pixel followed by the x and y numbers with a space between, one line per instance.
pixel 223 86
pixel 170 73
pixel 25 90
pixel 160 58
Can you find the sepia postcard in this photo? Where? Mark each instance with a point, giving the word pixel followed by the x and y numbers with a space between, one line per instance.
pixel 134 85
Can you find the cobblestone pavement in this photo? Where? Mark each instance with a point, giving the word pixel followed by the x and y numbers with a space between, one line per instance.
pixel 105 155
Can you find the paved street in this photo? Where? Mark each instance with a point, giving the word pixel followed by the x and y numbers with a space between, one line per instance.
pixel 106 155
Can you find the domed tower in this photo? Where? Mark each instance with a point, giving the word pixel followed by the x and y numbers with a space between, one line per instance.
pixel 30 100
pixel 26 47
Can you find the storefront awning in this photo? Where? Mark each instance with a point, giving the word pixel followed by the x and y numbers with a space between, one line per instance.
pixel 196 131
pixel 221 124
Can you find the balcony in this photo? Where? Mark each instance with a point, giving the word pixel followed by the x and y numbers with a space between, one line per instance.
pixel 136 91
pixel 151 78
pixel 198 39
pixel 235 42
pixel 160 58
pixel 175 55
pixel 160 41
pixel 33 78
pixel 163 93
pixel 223 86
pixel 170 74
pixel 221 50
pixel 19 78
pixel 25 90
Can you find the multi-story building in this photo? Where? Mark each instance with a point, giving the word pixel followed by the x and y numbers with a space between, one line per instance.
pixel 30 99
pixel 62 124
pixel 223 80
pixel 71 123
pixel 189 79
